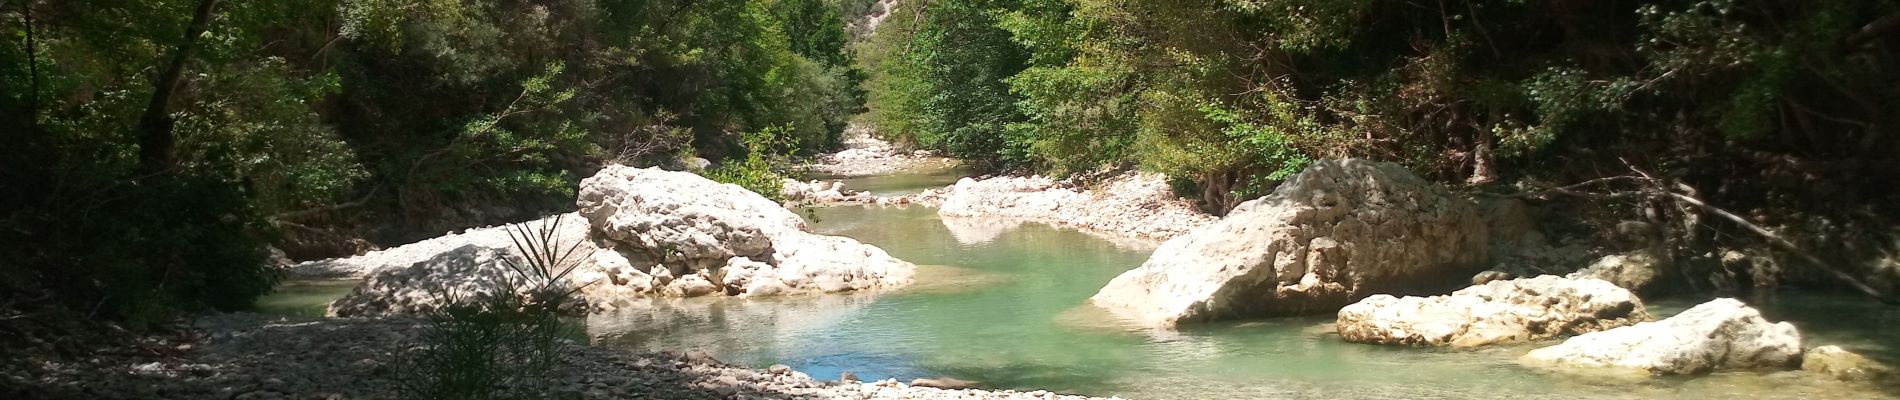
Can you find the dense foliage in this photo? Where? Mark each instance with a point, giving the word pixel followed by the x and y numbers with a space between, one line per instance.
pixel 1781 109
pixel 155 146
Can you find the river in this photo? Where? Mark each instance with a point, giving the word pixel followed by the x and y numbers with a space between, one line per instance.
pixel 1001 302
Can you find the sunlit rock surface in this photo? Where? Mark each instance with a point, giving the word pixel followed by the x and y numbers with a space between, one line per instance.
pixel 1335 233
pixel 1501 311
pixel 1719 334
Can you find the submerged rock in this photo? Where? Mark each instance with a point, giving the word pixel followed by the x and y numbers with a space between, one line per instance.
pixel 1502 311
pixel 1719 334
pixel 1842 364
pixel 1335 233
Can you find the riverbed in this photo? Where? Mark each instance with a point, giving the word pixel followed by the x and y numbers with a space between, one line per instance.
pixel 1001 302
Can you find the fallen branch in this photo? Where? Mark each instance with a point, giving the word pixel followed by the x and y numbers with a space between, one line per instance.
pixel 1787 246
pixel 1654 188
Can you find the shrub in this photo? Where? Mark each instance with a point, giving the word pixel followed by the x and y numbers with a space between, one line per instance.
pixel 505 345
pixel 758 171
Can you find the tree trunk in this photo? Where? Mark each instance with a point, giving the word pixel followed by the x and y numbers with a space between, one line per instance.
pixel 1483 159
pixel 156 141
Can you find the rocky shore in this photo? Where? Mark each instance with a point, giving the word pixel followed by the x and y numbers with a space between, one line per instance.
pixel 1135 204
pixel 866 155
pixel 251 356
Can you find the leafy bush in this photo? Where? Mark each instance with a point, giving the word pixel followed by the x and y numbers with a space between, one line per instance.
pixel 760 170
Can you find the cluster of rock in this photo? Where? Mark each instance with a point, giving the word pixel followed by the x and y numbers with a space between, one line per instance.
pixel 1345 235
pixel 1333 234
pixel 642 233
pixel 249 356
pixel 1545 307
pixel 1720 334
pixel 823 192
pixel 1140 205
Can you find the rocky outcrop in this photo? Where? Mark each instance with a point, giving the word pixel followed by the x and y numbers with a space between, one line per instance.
pixel 1502 311
pixel 1719 334
pixel 1842 364
pixel 1130 205
pixel 1635 271
pixel 1335 233
pixel 674 224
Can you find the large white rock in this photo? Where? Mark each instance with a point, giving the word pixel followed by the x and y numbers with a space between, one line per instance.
pixel 681 218
pixel 1502 311
pixel 1719 334
pixel 732 237
pixel 571 229
pixel 664 234
pixel 1335 233
pixel 466 272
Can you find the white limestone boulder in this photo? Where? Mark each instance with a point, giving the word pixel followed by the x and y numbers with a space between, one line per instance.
pixel 1719 334
pixel 1337 232
pixel 1503 311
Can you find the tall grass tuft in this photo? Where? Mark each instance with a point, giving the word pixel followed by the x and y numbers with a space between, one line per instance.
pixel 504 345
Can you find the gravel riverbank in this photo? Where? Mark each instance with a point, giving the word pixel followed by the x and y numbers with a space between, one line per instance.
pixel 253 356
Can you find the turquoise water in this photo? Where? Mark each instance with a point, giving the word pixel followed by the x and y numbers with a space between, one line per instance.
pixel 1001 302
pixel 1008 315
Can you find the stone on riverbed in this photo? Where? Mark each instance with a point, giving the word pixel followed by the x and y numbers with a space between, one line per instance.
pixel 1335 233
pixel 1842 364
pixel 1719 334
pixel 1503 311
